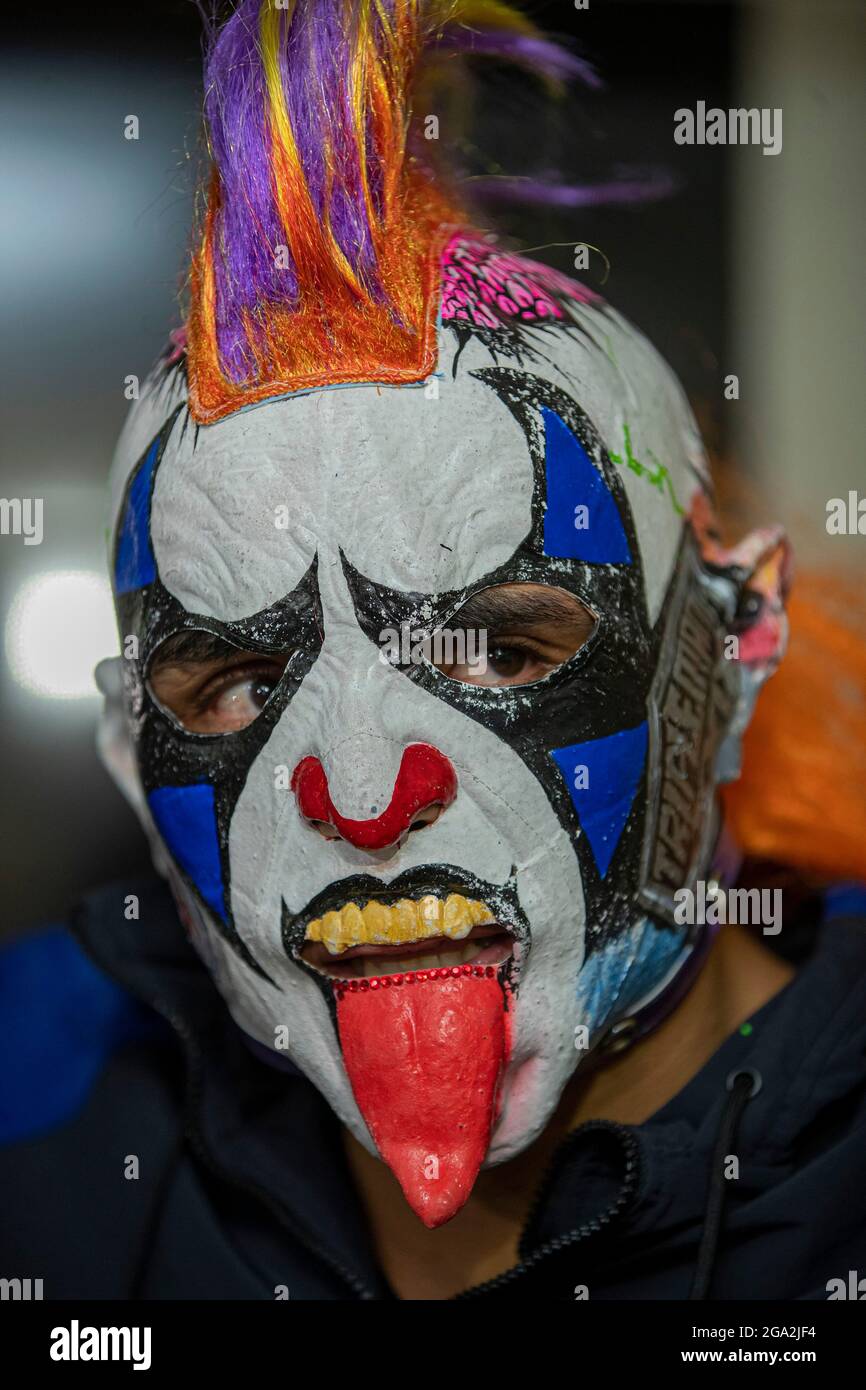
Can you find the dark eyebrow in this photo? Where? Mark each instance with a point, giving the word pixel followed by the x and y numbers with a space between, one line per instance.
pixel 508 606
pixel 192 647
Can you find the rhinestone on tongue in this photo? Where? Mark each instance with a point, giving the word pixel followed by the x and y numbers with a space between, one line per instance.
pixel 409 977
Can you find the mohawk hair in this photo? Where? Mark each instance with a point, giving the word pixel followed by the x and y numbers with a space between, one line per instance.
pixel 318 259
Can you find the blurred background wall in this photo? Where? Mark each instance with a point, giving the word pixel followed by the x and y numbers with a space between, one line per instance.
pixel 751 266
pixel 798 285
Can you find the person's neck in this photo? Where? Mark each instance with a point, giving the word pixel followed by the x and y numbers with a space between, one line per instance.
pixel 740 975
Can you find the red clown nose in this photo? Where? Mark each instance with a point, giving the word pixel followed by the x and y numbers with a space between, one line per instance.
pixel 425 778
pixel 425 1053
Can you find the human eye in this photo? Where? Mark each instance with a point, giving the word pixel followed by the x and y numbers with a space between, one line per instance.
pixel 234 699
pixel 213 687
pixel 511 634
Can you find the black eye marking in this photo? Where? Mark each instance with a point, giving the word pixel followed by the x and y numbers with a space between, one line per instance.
pixel 528 398
pixel 171 756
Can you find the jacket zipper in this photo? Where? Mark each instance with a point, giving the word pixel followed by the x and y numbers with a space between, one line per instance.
pixel 589 1228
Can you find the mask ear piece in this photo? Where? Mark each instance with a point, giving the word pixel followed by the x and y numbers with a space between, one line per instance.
pixel 760 567
pixel 113 742
pixel 760 623
pixel 114 745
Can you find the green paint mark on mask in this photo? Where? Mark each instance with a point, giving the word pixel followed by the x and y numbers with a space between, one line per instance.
pixel 659 477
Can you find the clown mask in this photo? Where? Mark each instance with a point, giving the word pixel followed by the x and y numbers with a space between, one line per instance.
pixel 432 693
pixel 433 659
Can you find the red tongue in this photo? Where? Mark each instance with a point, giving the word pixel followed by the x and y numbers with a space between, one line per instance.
pixel 424 1058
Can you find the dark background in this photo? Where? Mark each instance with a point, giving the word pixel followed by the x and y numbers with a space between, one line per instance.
pixel 93 252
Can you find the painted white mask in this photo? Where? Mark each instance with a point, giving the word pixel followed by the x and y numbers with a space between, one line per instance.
pixel 436 880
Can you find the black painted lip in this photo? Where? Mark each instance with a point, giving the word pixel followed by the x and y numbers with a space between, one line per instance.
pixel 440 879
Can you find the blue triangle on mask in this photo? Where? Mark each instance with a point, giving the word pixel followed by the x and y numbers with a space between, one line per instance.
pixel 602 776
pixel 573 481
pixel 186 820
pixel 135 565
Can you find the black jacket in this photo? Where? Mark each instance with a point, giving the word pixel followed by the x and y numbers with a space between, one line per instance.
pixel 118 1048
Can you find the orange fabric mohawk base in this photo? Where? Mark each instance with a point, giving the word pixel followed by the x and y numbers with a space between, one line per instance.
pixel 319 259
pixel 346 338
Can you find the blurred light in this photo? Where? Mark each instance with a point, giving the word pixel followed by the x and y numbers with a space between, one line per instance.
pixel 60 625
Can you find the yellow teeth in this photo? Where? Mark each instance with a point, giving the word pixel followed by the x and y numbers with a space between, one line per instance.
pixel 378 924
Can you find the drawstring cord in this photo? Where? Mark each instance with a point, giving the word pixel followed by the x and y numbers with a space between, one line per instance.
pixel 743 1085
